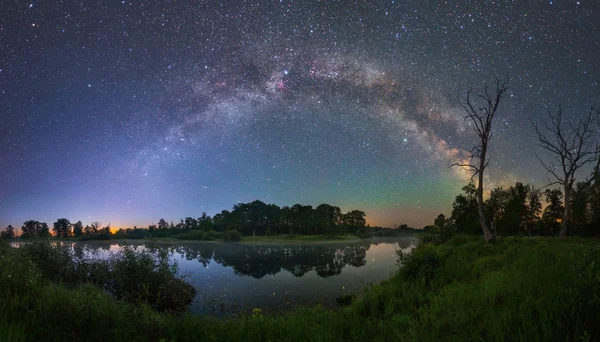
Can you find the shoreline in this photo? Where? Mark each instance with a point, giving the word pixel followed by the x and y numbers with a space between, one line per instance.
pixel 247 240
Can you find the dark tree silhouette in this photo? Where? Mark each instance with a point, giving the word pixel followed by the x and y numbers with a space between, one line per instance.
pixel 62 227
pixel 440 221
pixel 553 212
pixel 481 114
pixel 326 218
pixel 95 226
pixel 78 228
pixel 572 147
pixel 354 219
pixel 162 224
pixel 8 233
pixel 516 209
pixel 34 228
pixel 464 211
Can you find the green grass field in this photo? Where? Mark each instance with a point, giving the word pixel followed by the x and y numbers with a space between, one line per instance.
pixel 517 289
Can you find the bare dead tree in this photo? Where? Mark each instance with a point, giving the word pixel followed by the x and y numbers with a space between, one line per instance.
pixel 96 226
pixel 572 147
pixel 481 112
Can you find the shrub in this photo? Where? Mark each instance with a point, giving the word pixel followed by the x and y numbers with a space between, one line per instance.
pixel 232 236
pixel 363 233
pixel 96 236
pixel 425 238
pixel 199 235
pixel 137 276
pixel 345 300
pixel 422 264
pixel 211 235
pixel 191 235
pixel 147 276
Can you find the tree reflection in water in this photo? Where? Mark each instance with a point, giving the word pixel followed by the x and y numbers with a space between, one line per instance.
pixel 259 261
pixel 233 278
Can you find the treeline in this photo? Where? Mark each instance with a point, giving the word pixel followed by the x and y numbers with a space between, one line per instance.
pixel 518 211
pixel 253 218
pixel 61 228
pixel 572 145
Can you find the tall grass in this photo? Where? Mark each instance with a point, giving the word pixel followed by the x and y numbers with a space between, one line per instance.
pixel 515 290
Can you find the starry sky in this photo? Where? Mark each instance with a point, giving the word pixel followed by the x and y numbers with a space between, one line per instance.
pixel 129 111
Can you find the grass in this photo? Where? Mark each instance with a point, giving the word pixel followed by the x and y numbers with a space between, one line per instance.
pixel 517 289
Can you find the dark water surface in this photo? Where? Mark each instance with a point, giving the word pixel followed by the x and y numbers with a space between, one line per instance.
pixel 233 278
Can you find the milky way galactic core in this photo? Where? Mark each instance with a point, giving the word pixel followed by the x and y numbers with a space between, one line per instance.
pixel 126 112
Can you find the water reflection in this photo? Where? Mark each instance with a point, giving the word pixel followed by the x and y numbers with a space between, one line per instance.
pixel 230 278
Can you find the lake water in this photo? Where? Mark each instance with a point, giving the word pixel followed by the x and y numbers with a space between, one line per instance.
pixel 232 278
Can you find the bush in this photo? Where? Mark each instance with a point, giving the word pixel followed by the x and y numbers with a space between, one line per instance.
pixel 363 233
pixel 232 236
pixel 513 290
pixel 422 264
pixel 147 276
pixel 211 235
pixel 96 236
pixel 136 276
pixel 191 235
pixel 199 235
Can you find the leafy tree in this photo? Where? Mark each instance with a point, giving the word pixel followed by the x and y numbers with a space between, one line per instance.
pixel 520 211
pixel 464 211
pixel 62 227
pixel 355 219
pixel 274 219
pixel 29 229
pixel 594 200
pixel 34 228
pixel 580 210
pixel 535 209
pixel 552 214
pixel 44 231
pixel 301 217
pixel 190 223
pixel 222 220
pixel 287 221
pixel 8 233
pixel 105 230
pixel 162 224
pixel 326 219
pixel 205 222
pixel 95 227
pixel 495 207
pixel 78 228
pixel 440 221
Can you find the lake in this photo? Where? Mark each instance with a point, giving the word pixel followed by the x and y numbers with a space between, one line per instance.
pixel 231 278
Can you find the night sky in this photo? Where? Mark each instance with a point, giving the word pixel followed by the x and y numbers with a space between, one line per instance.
pixel 129 111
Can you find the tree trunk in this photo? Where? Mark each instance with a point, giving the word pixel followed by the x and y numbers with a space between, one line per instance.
pixel 488 235
pixel 565 219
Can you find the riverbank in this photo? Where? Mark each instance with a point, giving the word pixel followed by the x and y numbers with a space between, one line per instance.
pixel 515 289
pixel 262 239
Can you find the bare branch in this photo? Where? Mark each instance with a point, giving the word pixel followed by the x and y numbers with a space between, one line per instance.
pixel 482 118
pixel 572 150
